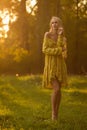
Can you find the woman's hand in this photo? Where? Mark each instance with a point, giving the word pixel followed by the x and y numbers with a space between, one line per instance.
pixel 60 31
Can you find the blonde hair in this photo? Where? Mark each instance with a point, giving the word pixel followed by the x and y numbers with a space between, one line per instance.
pixel 59 22
pixel 58 19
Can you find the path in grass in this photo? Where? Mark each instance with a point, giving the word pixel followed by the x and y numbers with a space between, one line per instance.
pixel 25 105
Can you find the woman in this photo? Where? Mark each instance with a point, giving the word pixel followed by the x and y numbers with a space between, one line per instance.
pixel 55 73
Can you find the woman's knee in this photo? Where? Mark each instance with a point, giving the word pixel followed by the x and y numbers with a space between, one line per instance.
pixel 56 85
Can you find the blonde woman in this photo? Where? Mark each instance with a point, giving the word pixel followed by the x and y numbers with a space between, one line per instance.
pixel 55 72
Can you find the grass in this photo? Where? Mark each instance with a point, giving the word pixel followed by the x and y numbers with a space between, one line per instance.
pixel 25 105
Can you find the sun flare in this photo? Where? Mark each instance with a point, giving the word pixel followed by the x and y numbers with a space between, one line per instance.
pixel 7 17
pixel 29 5
pixel 4 15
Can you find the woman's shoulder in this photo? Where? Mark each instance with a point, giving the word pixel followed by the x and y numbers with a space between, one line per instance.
pixel 47 34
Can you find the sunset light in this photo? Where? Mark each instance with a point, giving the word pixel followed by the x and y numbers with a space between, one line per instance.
pixel 29 5
pixel 7 17
pixel 4 28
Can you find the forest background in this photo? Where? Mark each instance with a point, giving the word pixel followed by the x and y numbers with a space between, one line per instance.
pixel 22 27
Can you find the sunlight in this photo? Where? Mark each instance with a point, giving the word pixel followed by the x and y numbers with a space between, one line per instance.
pixel 5 23
pixel 84 2
pixel 6 28
pixel 29 5
pixel 6 18
pixel 33 2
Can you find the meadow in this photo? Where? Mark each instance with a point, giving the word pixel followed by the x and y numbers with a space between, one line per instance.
pixel 25 105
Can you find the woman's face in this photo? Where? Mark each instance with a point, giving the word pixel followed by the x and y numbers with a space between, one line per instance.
pixel 54 24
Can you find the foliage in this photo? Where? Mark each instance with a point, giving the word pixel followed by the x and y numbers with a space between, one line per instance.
pixel 75 32
pixel 26 34
pixel 24 105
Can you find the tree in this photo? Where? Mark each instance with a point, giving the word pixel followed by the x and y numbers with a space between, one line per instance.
pixel 26 32
pixel 74 12
pixel 23 28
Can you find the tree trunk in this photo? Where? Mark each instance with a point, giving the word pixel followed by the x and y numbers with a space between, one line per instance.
pixel 23 25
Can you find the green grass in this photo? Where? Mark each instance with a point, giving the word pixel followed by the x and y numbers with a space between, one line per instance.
pixel 25 105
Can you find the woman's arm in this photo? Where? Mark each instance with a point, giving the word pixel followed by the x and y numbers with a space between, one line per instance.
pixel 50 51
pixel 64 53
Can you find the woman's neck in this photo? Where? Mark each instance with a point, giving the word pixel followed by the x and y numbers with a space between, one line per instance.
pixel 54 35
pixel 53 32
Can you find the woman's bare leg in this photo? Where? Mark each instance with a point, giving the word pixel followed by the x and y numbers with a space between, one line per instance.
pixel 55 99
pixel 58 100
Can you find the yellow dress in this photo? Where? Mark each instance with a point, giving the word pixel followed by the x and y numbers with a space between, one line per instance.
pixel 55 66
